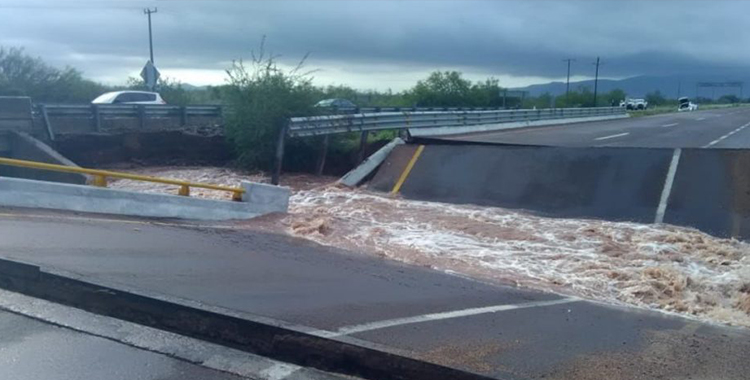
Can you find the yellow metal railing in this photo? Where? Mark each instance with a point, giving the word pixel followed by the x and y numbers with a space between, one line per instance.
pixel 100 177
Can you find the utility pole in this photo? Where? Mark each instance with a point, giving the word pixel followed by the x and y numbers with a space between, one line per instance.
pixel 567 82
pixel 596 80
pixel 148 12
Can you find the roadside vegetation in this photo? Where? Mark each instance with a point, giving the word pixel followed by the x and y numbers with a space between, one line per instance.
pixel 262 95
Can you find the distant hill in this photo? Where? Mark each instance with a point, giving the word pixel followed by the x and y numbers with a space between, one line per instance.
pixel 190 87
pixel 639 86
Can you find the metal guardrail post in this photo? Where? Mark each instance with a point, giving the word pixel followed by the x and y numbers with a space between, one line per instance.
pixel 97 117
pixel 362 146
pixel 279 159
pixel 47 124
pixel 142 116
pixel 322 157
pixel 183 116
pixel 184 191
pixel 99 181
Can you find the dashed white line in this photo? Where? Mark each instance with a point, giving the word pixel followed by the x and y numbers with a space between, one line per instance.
pixel 279 371
pixel 612 136
pixel 346 330
pixel 725 136
pixel 667 189
pixel 701 118
pixel 670 125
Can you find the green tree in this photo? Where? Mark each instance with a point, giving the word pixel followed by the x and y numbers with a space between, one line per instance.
pixel 441 89
pixel 614 97
pixel 579 97
pixel 486 94
pixel 23 75
pixel 729 99
pixel 655 98
pixel 263 96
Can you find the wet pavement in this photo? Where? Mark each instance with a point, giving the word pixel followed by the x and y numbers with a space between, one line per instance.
pixel 32 350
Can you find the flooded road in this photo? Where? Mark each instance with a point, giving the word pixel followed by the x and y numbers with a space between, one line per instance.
pixel 672 269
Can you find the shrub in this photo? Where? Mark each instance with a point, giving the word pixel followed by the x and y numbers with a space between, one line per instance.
pixel 262 96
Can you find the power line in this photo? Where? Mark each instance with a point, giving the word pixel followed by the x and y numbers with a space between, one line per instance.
pixel 148 12
pixel 567 82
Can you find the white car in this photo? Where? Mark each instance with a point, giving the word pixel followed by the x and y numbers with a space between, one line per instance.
pixel 634 104
pixel 129 97
pixel 686 105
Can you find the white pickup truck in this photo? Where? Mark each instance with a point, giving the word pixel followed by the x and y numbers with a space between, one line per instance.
pixel 634 104
pixel 686 105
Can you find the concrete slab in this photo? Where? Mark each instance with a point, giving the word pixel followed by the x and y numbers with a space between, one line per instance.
pixel 606 183
pixel 710 192
pixel 269 197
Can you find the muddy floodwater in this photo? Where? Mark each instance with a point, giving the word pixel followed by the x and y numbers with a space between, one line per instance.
pixel 672 269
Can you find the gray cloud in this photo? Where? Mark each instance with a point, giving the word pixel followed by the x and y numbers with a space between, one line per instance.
pixel 369 42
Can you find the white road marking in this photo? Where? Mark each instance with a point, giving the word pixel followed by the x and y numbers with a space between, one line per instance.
pixel 612 136
pixel 670 125
pixel 725 136
pixel 701 118
pixel 278 371
pixel 346 330
pixel 667 190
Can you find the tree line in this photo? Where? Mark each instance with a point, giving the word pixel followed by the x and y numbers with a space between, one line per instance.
pixel 263 95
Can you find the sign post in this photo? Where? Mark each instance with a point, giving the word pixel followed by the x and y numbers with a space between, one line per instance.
pixel 150 75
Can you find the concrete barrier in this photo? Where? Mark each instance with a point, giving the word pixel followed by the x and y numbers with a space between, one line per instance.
pixel 355 176
pixel 60 196
pixel 268 197
pixel 448 131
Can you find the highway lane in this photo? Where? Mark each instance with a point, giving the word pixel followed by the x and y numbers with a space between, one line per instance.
pixel 505 332
pixel 719 128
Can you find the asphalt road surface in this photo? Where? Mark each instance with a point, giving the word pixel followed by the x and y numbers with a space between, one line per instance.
pixel 505 332
pixel 32 350
pixel 719 128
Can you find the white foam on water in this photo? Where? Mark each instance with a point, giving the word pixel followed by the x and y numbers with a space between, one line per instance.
pixel 663 267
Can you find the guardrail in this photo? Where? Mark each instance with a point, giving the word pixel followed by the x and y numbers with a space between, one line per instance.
pixel 323 125
pixel 352 110
pixel 100 177
pixel 130 110
pixel 99 112
pixel 376 121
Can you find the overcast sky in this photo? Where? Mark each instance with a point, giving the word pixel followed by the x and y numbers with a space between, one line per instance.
pixel 387 44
